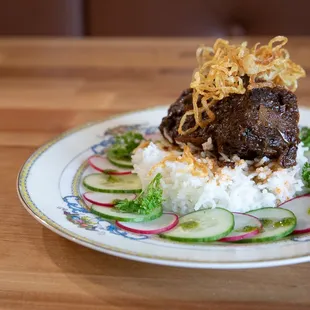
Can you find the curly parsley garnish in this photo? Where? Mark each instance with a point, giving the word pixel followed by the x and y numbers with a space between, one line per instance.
pixel 304 135
pixel 124 145
pixel 306 174
pixel 146 202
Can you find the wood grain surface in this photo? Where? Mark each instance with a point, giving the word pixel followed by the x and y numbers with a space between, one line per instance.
pixel 48 86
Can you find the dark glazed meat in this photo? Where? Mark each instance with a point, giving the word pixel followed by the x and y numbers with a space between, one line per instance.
pixel 262 122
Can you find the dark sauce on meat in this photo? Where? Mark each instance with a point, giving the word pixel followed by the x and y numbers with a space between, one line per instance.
pixel 261 122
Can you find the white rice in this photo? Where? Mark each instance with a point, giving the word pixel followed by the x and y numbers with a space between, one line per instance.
pixel 250 185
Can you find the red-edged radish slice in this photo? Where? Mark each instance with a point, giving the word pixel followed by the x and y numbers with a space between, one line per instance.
pixel 102 164
pixel 300 206
pixel 106 199
pixel 164 223
pixel 246 226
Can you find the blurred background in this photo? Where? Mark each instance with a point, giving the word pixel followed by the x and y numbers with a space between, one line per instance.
pixel 81 18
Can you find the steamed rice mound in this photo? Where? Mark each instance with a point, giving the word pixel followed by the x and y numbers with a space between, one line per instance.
pixel 191 183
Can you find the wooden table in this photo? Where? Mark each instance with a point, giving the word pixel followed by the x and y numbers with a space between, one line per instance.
pixel 48 86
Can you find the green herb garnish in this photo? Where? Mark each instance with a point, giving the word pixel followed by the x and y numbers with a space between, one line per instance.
pixel 306 174
pixel 304 135
pixel 146 202
pixel 125 144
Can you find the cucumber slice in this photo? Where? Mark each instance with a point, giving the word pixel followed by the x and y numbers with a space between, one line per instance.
pixel 115 214
pixel 99 182
pixel 277 223
pixel 202 226
pixel 123 163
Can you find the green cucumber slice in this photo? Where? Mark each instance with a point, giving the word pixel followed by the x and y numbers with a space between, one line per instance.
pixel 100 182
pixel 123 163
pixel 277 223
pixel 202 226
pixel 115 214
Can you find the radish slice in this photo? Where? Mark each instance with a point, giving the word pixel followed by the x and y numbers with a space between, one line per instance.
pixel 245 226
pixel 102 164
pixel 300 206
pixel 115 215
pixel 106 199
pixel 164 223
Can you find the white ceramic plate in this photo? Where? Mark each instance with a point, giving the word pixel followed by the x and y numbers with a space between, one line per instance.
pixel 49 186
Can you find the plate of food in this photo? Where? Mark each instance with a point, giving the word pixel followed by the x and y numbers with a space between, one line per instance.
pixel 219 179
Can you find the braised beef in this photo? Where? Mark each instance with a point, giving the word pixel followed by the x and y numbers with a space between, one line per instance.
pixel 261 122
